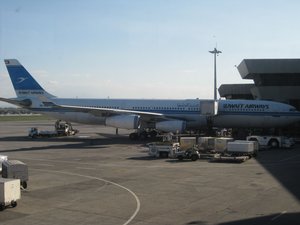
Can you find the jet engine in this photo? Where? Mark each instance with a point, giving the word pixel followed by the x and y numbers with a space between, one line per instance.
pixel 123 121
pixel 171 126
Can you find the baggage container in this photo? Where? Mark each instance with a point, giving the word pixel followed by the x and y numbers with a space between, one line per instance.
pixel 206 143
pixel 240 147
pixel 162 149
pixel 15 169
pixel 9 192
pixel 187 143
pixel 221 144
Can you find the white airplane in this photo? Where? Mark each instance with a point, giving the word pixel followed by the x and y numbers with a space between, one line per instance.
pixel 147 115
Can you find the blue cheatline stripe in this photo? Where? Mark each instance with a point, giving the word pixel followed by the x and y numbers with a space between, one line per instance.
pixel 170 112
pixel 151 111
pixel 259 113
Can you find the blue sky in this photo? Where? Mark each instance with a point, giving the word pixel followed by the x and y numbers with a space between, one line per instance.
pixel 139 48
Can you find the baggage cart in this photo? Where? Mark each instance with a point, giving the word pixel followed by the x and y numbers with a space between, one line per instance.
pixel 221 144
pixel 162 149
pixel 15 169
pixel 9 192
pixel 242 148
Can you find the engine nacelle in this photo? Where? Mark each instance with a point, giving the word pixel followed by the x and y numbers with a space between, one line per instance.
pixel 173 126
pixel 123 121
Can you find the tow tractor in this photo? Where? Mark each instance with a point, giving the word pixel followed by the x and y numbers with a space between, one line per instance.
pixel 61 129
pixel 172 150
pixel 272 141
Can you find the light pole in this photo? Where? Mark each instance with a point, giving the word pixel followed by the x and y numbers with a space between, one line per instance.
pixel 215 52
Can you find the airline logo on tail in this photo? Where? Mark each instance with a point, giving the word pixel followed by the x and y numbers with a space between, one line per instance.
pixel 24 84
pixel 22 79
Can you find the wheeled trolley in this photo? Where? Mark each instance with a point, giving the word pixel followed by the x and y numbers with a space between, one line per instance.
pixel 9 192
pixel 15 169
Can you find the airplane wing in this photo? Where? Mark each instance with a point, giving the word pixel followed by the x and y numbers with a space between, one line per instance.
pixel 24 102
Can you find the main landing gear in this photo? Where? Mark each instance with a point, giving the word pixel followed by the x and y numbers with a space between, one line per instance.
pixel 143 135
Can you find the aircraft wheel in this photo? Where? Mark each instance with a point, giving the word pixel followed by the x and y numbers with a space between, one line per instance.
pixel 13 204
pixel 2 206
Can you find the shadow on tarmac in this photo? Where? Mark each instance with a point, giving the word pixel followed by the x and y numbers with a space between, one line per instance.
pixel 68 142
pixel 273 219
pixel 284 165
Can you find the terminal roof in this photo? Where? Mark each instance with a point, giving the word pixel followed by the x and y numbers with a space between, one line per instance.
pixel 236 91
pixel 249 68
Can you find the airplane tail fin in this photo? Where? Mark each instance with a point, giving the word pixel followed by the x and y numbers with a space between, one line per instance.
pixel 24 84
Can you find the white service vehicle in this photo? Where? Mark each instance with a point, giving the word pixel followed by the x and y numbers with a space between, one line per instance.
pixel 272 141
pixel 162 149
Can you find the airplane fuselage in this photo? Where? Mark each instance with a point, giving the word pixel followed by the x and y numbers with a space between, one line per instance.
pixel 230 113
pixel 159 114
pixel 187 110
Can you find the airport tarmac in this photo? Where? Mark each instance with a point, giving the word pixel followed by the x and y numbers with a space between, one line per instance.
pixel 97 177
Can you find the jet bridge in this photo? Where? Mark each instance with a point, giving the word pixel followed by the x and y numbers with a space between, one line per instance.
pixel 209 107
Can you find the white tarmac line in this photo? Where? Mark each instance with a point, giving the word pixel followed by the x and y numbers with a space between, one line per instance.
pixel 44 164
pixel 85 168
pixel 280 214
pixel 138 203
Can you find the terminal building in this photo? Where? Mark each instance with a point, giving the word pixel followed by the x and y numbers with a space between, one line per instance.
pixel 273 79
